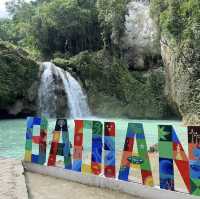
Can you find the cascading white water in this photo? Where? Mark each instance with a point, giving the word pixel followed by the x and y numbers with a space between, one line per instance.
pixel 46 93
pixel 77 100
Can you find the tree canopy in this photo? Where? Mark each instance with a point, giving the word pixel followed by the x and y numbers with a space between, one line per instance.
pixel 68 27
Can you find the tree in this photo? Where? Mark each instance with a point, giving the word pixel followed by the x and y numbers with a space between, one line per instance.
pixel 64 25
pixel 111 15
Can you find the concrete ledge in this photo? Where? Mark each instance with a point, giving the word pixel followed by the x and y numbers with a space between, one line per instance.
pixel 12 181
pixel 98 181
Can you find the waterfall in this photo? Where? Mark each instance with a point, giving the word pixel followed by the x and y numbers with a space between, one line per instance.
pixel 46 94
pixel 77 101
pixel 55 80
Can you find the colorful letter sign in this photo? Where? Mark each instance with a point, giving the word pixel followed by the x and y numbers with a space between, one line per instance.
pixel 170 151
pixel 194 156
pixel 97 129
pixel 136 131
pixel 78 145
pixel 40 140
pixel 109 149
pixel 102 143
pixel 62 149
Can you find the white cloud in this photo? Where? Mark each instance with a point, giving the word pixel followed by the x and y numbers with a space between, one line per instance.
pixel 3 12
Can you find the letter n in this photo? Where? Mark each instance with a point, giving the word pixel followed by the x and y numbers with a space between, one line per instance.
pixel 170 151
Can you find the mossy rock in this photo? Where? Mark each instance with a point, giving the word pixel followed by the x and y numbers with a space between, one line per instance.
pixel 178 22
pixel 18 79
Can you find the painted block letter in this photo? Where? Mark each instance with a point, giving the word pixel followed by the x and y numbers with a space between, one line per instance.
pixel 40 140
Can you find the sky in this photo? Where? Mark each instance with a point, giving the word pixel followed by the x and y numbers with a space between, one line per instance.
pixel 3 12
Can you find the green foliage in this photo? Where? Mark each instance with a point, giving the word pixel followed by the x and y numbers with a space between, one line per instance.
pixel 73 32
pixel 179 21
pixel 185 31
pixel 17 29
pixel 112 88
pixel 65 26
pixel 178 18
pixel 51 26
pixel 17 74
pixel 5 28
pixel 112 17
pixel 180 30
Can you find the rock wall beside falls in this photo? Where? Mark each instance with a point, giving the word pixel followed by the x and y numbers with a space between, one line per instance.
pixel 182 80
pixel 178 22
pixel 178 80
pixel 18 82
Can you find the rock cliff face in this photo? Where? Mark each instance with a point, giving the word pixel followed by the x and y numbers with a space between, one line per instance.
pixel 140 42
pixel 181 87
pixel 180 49
pixel 18 82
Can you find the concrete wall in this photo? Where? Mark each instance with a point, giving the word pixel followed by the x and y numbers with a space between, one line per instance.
pixel 98 181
